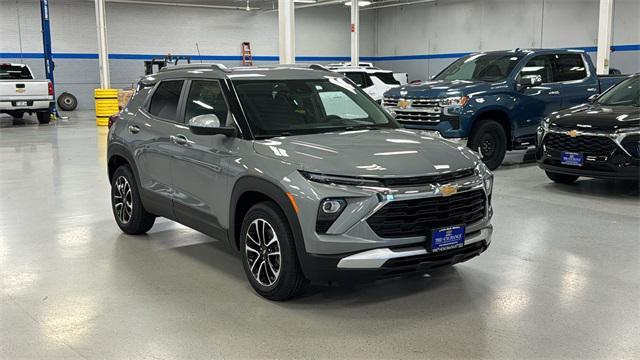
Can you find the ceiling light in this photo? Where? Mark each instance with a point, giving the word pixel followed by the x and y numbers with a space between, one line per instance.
pixel 360 3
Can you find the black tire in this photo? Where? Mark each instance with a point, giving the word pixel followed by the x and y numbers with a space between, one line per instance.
pixel 136 220
pixel 67 102
pixel 43 117
pixel 561 178
pixel 489 139
pixel 16 114
pixel 289 281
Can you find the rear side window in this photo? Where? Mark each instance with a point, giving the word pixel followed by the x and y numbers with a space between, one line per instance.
pixel 569 67
pixel 358 77
pixel 205 97
pixel 8 71
pixel 540 65
pixel 386 78
pixel 164 102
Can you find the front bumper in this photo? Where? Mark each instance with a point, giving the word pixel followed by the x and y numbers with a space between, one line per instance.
pixel 617 165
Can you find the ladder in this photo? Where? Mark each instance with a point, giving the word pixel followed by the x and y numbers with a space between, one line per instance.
pixel 247 58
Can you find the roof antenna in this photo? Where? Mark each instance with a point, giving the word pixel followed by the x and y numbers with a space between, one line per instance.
pixel 198 48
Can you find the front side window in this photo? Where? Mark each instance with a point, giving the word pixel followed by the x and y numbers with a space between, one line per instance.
pixel 540 65
pixel 292 107
pixel 164 102
pixel 205 97
pixel 480 67
pixel 386 77
pixel 569 67
pixel 358 77
pixel 626 93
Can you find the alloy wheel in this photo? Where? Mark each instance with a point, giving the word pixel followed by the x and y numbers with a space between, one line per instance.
pixel 122 200
pixel 263 252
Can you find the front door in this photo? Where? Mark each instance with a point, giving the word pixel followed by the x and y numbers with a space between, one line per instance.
pixel 199 175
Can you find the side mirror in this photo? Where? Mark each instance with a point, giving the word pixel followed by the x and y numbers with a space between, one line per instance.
pixel 209 124
pixel 592 98
pixel 527 81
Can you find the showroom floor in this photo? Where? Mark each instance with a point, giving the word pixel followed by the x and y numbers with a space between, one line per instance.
pixel 561 278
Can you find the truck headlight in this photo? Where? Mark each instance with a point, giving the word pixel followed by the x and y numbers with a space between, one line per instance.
pixel 454 100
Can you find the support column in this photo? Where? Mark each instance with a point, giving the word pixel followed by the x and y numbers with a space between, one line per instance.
pixel 605 22
pixel 355 33
pixel 286 32
pixel 103 50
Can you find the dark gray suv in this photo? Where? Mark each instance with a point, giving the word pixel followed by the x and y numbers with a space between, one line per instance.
pixel 300 171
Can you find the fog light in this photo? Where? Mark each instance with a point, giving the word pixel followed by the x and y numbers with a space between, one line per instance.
pixel 332 206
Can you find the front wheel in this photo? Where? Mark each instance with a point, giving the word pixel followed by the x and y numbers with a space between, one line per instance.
pixel 561 178
pixel 489 139
pixel 268 253
pixel 128 211
pixel 43 117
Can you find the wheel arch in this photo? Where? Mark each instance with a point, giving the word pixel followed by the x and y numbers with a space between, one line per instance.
pixel 499 115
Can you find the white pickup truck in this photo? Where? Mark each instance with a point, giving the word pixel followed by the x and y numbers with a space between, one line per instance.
pixel 20 93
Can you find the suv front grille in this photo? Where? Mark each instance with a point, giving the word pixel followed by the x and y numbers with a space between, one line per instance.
pixel 417 217
pixel 587 144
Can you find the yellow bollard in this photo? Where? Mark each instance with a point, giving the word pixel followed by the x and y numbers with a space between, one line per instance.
pixel 106 105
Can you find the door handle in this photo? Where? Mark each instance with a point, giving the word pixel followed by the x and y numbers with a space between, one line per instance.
pixel 592 89
pixel 555 92
pixel 179 139
pixel 134 129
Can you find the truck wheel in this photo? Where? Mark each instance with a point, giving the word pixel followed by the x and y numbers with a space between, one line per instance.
pixel 67 102
pixel 268 253
pixel 127 208
pixel 16 114
pixel 43 117
pixel 561 178
pixel 489 139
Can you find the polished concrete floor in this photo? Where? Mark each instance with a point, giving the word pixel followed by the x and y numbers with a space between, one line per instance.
pixel 561 279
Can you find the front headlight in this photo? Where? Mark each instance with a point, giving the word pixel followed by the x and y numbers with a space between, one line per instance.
pixel 487 176
pixel 544 124
pixel 454 100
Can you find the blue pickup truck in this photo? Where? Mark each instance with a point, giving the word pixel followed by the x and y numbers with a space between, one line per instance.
pixel 494 101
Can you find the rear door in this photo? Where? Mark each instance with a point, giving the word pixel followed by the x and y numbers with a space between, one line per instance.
pixel 199 175
pixel 538 101
pixel 150 131
pixel 577 84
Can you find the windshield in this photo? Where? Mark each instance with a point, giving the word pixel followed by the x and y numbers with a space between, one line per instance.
pixel 8 71
pixel 626 93
pixel 481 67
pixel 292 107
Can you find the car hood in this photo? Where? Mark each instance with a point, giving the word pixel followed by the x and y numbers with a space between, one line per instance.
pixel 373 153
pixel 442 89
pixel 597 117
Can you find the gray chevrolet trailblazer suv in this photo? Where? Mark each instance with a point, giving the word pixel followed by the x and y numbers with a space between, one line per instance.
pixel 300 171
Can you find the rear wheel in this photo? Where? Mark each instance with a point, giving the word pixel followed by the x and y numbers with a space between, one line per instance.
pixel 128 211
pixel 561 178
pixel 268 253
pixel 43 117
pixel 489 139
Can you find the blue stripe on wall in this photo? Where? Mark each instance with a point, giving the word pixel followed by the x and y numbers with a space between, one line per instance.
pixel 90 56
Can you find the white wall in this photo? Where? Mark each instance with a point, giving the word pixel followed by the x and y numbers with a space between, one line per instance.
pixel 457 26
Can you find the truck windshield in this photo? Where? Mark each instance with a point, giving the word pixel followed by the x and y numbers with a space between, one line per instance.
pixel 8 71
pixel 481 67
pixel 626 93
pixel 293 107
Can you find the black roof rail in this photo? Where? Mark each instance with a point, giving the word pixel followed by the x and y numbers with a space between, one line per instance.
pixel 217 66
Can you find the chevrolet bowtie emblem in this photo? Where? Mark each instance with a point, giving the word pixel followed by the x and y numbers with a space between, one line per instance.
pixel 572 133
pixel 403 104
pixel 20 91
pixel 447 190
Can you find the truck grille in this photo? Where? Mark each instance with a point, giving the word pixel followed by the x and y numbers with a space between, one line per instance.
pixel 417 217
pixel 587 144
pixel 420 110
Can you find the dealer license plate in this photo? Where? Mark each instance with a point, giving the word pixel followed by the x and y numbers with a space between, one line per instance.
pixel 447 238
pixel 571 158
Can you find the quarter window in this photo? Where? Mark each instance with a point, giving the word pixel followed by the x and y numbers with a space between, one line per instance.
pixel 569 67
pixel 164 102
pixel 205 97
